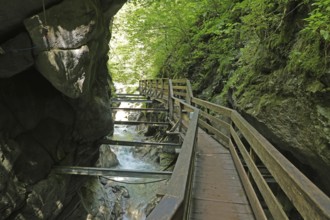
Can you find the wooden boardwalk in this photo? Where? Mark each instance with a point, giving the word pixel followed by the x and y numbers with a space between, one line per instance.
pixel 217 190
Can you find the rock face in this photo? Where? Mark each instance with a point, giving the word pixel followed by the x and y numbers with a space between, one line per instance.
pixel 275 72
pixel 54 100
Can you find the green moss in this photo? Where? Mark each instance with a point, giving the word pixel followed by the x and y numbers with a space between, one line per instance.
pixel 306 57
pixel 315 86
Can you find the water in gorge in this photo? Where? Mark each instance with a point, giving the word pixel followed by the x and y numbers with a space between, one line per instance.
pixel 141 191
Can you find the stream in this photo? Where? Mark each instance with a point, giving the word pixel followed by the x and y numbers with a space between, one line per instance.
pixel 141 190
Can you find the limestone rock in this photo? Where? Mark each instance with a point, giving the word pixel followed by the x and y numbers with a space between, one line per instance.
pixel 54 104
pixel 98 202
pixel 64 57
pixel 68 25
pixel 68 70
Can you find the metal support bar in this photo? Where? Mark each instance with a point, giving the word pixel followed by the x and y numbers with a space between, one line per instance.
pixel 136 143
pixel 96 171
pixel 140 109
pixel 141 122
pixel 132 100
pixel 129 95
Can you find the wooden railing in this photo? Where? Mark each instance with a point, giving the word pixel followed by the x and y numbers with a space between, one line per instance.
pixel 275 188
pixel 175 202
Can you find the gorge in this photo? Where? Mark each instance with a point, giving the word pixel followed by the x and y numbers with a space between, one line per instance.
pixel 269 60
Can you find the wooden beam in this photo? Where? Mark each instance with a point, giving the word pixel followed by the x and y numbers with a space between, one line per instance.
pixel 96 171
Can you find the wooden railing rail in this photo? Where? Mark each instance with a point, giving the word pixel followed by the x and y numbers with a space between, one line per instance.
pixel 175 202
pixel 290 194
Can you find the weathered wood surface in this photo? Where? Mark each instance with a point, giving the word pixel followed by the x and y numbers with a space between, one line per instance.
pixel 174 204
pixel 217 190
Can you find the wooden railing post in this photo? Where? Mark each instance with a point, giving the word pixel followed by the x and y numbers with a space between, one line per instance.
pixel 162 91
pixel 157 92
pixel 170 100
pixel 189 92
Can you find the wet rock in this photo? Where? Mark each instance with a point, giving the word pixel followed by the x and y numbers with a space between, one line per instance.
pixel 12 191
pixel 107 157
pixel 98 202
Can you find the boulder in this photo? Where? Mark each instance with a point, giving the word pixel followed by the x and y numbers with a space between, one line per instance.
pixel 107 157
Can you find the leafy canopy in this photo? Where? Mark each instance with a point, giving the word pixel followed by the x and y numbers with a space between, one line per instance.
pixel 146 31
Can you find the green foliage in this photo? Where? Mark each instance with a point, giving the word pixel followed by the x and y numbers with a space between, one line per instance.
pixel 151 30
pixel 223 45
pixel 319 19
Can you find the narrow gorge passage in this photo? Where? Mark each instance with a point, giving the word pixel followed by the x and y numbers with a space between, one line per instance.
pixel 141 191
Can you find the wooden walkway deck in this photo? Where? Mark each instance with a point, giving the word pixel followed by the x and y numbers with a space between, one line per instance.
pixel 217 189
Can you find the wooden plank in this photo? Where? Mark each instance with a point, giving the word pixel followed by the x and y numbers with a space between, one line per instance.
pixel 97 171
pixel 215 131
pixel 309 200
pixel 217 210
pixel 180 87
pixel 137 143
pixel 217 108
pixel 221 207
pixel 217 189
pixel 179 80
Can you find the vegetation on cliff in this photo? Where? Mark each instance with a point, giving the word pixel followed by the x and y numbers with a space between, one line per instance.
pixel 267 59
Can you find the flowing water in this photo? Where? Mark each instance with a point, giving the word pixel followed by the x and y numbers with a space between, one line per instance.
pixel 141 190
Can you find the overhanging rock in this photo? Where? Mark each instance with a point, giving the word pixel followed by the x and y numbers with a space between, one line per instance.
pixel 64 37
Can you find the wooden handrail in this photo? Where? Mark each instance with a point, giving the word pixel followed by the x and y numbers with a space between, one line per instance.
pixel 309 200
pixel 175 203
pixel 230 128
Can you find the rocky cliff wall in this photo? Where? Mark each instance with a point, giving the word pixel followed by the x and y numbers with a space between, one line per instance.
pixel 261 58
pixel 54 100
